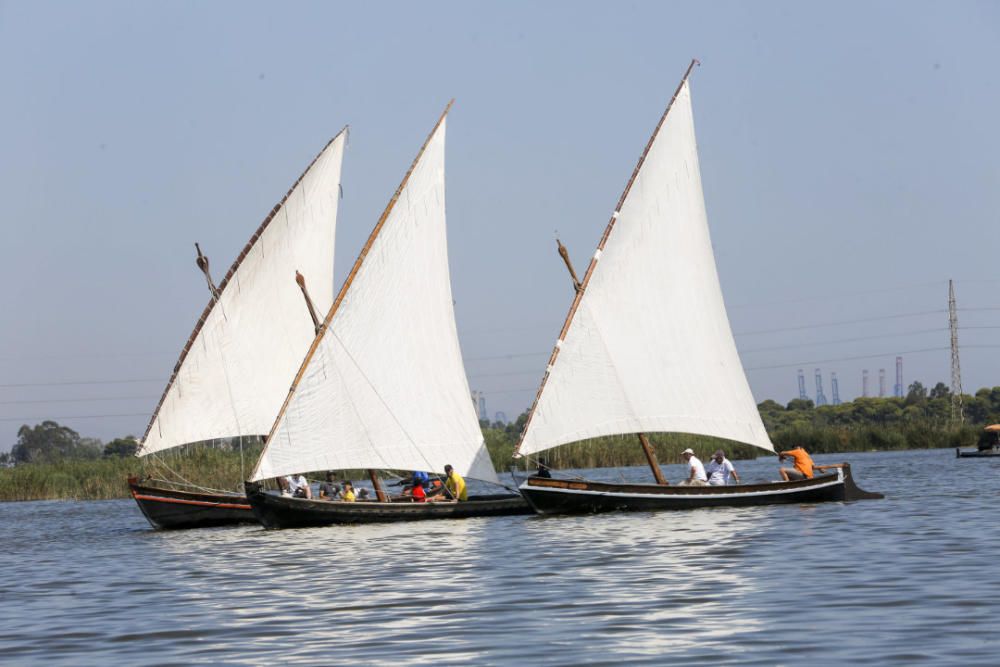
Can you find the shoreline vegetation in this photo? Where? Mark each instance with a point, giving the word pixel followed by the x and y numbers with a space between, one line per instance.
pixel 52 462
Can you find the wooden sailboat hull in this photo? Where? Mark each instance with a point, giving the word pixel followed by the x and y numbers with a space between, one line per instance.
pixel 167 508
pixel 982 453
pixel 275 511
pixel 556 496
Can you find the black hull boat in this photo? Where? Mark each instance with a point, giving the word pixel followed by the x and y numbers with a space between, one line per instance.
pixel 167 508
pixel 276 511
pixel 978 454
pixel 559 496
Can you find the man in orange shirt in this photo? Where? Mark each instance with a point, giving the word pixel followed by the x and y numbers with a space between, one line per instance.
pixel 804 465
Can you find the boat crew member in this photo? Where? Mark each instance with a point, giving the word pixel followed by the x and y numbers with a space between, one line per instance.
pixel 804 465
pixel 348 495
pixel 543 470
pixel 720 469
pixel 298 485
pixel 455 484
pixel 417 479
pixel 696 474
pixel 329 490
pixel 418 494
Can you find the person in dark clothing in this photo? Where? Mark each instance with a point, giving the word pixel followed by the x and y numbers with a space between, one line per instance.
pixel 329 490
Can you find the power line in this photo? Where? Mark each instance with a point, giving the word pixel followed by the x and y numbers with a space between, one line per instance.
pixel 844 340
pixel 82 400
pixel 77 382
pixel 821 297
pixel 50 418
pixel 831 324
pixel 865 356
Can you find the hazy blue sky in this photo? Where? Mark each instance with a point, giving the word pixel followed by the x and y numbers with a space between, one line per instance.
pixel 849 156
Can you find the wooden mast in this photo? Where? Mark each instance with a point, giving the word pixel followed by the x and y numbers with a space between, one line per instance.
pixel 590 271
pixel 325 325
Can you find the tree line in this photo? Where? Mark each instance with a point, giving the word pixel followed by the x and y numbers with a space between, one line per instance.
pixel 921 419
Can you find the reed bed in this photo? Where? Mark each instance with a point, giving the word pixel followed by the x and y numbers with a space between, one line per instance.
pixel 103 479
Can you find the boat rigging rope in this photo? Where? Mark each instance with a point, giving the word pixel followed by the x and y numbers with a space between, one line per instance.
pixel 380 398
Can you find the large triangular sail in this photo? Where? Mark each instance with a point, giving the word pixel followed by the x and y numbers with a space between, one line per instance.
pixel 647 346
pixel 233 373
pixel 384 386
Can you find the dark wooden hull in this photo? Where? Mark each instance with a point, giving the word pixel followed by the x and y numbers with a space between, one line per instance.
pixel 275 511
pixel 167 508
pixel 982 453
pixel 557 496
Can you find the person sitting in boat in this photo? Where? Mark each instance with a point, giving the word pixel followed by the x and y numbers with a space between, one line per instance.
pixel 803 465
pixel 543 470
pixel 696 471
pixel 804 468
pixel 363 494
pixel 719 469
pixel 417 479
pixel 329 490
pixel 453 489
pixel 417 494
pixel 298 486
pixel 348 494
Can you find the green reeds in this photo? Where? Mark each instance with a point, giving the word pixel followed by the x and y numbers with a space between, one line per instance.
pixel 102 479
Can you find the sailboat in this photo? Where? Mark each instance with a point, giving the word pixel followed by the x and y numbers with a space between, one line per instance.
pixel 233 372
pixel 647 346
pixel 383 386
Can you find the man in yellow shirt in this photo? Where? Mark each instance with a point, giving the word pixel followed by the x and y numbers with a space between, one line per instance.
pixel 455 484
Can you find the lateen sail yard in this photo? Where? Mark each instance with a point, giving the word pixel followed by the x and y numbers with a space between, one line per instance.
pixel 649 347
pixel 384 386
pixel 233 373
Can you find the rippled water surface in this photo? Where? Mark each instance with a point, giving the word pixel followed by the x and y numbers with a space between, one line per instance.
pixel 910 579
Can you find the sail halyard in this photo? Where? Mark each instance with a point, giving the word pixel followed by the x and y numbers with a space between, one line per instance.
pixel 605 353
pixel 184 427
pixel 383 385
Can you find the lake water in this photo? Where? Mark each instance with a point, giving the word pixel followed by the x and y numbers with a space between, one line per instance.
pixel 907 580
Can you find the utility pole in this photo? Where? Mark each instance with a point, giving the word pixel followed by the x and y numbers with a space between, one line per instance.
pixel 957 414
pixel 802 385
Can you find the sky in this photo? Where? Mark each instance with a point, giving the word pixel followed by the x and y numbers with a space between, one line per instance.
pixel 850 158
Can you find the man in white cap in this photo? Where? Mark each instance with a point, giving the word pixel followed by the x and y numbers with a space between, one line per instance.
pixel 696 476
pixel 720 469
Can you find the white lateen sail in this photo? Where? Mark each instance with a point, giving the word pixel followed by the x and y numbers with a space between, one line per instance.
pixel 649 347
pixel 234 372
pixel 384 386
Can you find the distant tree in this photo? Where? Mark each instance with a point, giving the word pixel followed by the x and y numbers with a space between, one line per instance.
pixel 6 460
pixel 940 390
pixel 47 441
pixel 800 404
pixel 121 447
pixel 916 393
